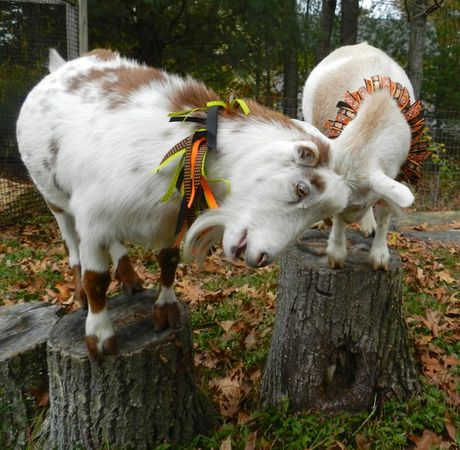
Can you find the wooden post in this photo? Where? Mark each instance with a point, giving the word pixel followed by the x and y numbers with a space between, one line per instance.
pixel 140 397
pixel 339 342
pixel 24 330
pixel 83 26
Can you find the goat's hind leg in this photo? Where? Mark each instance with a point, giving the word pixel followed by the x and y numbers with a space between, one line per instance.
pixel 66 224
pixel 379 254
pixel 128 278
pixel 166 309
pixel 100 336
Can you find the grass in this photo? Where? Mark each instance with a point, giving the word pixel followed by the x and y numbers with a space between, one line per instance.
pixel 232 318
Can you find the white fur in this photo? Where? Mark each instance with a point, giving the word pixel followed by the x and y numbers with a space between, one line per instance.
pixel 368 158
pixel 96 162
pixel 99 326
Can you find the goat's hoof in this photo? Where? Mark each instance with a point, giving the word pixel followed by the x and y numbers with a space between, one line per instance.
pixel 130 289
pixel 166 315
pixel 98 348
pixel 335 263
pixel 377 265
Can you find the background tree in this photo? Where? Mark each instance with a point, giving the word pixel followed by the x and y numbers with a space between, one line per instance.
pixel 323 47
pixel 349 22
pixel 417 13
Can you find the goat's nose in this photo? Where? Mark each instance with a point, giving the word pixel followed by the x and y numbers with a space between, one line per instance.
pixel 263 260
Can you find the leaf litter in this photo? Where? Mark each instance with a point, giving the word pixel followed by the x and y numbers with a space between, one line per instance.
pixel 233 382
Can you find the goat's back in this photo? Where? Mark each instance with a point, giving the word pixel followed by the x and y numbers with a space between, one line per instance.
pixel 345 69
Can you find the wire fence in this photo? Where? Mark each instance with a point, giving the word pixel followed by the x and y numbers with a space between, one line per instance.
pixel 28 28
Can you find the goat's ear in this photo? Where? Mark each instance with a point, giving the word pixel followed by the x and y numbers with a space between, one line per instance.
pixel 392 190
pixel 307 154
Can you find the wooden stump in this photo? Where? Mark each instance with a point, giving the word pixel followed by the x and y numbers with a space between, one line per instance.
pixel 142 396
pixel 339 341
pixel 24 330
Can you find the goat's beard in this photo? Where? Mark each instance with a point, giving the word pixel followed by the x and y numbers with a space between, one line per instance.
pixel 207 230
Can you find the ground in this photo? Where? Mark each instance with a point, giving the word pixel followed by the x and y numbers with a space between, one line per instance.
pixel 232 317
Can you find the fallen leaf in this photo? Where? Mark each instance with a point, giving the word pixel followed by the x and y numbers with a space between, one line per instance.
pixel 445 276
pixel 450 428
pixel 362 443
pixel 251 441
pixel 426 441
pixel 226 444
pixel 250 340
pixel 229 400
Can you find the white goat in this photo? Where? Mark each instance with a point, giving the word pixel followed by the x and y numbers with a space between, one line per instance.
pixel 370 150
pixel 91 134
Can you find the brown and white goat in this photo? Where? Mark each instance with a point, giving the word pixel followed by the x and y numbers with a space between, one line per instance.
pixel 91 134
pixel 371 143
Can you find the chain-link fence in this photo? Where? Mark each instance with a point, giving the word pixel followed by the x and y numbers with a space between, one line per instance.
pixel 28 29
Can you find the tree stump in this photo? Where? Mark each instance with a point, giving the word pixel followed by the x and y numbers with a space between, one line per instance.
pixel 144 395
pixel 339 341
pixel 24 330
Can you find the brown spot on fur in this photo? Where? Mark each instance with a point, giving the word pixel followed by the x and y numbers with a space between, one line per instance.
pixel 166 315
pixel 80 294
pixel 127 276
pixel 168 259
pixel 324 150
pixel 103 54
pixel 318 182
pixel 96 285
pixel 193 94
pixel 109 346
pixel 119 82
pixel 56 209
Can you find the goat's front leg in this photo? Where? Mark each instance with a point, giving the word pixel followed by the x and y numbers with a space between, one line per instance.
pixel 379 254
pixel 337 244
pixel 166 309
pixel 100 337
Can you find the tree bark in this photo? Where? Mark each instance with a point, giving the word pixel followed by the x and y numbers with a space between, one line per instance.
pixel 349 22
pixel 144 395
pixel 417 24
pixel 326 25
pixel 339 342
pixel 24 330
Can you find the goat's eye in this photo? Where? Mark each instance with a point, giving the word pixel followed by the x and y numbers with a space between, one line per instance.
pixel 302 190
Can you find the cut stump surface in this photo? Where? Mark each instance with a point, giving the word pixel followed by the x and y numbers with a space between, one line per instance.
pixel 144 395
pixel 339 341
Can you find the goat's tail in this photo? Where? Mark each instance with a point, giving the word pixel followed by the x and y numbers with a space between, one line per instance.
pixel 55 61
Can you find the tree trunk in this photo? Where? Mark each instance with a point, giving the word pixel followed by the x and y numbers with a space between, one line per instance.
pixel 417 23
pixel 140 397
pixel 24 330
pixel 326 25
pixel 349 22
pixel 290 49
pixel 339 341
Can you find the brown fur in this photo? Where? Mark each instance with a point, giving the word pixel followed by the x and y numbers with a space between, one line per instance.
pixel 96 285
pixel 166 315
pixel 319 183
pixel 127 276
pixel 168 259
pixel 128 80
pixel 192 95
pixel 103 54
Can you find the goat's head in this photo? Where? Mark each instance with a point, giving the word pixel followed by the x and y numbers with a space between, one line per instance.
pixel 278 195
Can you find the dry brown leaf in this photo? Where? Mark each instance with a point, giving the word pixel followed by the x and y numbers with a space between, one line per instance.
pixel 230 390
pixel 226 444
pixel 426 441
pixel 251 441
pixel 450 428
pixel 362 443
pixel 250 341
pixel 445 276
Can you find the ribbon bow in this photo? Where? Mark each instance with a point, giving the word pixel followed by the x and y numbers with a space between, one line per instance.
pixel 189 178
